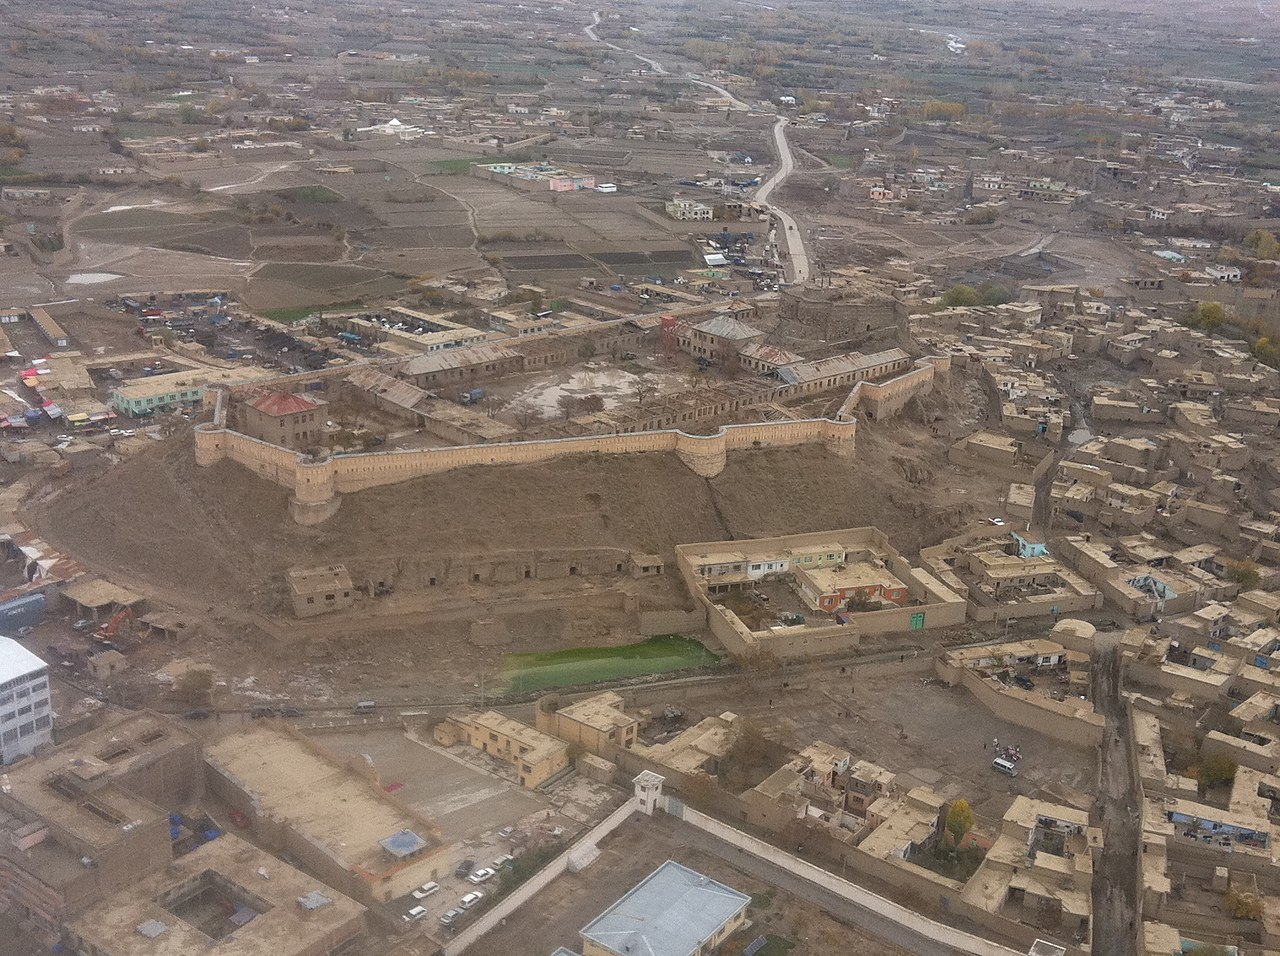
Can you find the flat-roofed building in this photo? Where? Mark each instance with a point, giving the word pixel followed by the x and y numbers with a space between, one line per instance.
pixel 674 911
pixel 599 724
pixel 228 894
pixel 91 816
pixel 320 590
pixel 26 721
pixel 337 820
pixel 535 756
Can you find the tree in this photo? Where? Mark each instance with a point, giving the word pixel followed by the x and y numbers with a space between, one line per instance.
pixel 1208 316
pixel 1263 244
pixel 960 295
pixel 586 350
pixel 644 387
pixel 591 404
pixel 194 686
pixel 1244 573
pixel 1215 769
pixel 995 294
pixel 1242 904
pixel 527 416
pixel 960 820
pixel 568 405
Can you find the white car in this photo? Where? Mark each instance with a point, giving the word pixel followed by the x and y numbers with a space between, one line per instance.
pixel 425 890
pixel 471 899
pixel 62 438
pixel 448 918
pixel 998 522
pixel 481 875
pixel 415 914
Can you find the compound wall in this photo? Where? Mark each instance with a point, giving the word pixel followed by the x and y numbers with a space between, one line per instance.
pixel 317 484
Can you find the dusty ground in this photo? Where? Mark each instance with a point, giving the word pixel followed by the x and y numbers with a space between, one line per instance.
pixel 214 542
pixel 635 850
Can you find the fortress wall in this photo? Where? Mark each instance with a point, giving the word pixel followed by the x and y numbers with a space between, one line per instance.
pixel 318 483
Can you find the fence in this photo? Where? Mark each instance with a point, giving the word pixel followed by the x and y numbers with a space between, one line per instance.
pixel 922 926
pixel 523 893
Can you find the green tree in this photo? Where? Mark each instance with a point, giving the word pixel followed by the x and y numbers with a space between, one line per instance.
pixel 1215 769
pixel 960 295
pixel 960 820
pixel 194 686
pixel 996 294
pixel 1244 573
pixel 1263 244
pixel 1209 316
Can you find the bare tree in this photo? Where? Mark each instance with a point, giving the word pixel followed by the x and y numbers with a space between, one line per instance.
pixel 590 404
pixel 527 416
pixel 568 406
pixel 644 388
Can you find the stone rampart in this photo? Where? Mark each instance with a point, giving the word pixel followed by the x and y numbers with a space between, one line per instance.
pixel 317 484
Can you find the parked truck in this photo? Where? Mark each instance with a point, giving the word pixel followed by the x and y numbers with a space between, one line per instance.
pixel 471 397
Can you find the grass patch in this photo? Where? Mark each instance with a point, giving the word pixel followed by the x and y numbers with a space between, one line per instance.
pixel 460 167
pixel 13 172
pixel 585 665
pixel 844 160
pixel 297 313
pixel 776 946
pixel 953 864
pixel 309 194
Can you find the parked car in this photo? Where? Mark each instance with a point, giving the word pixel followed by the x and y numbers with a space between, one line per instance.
pixel 198 714
pixel 84 624
pixel 63 438
pixel 1026 683
pixel 425 890
pixel 24 631
pixel 998 522
pixel 471 899
pixel 450 916
pixel 505 860
pixel 291 712
pixel 465 867
pixel 259 713
pixel 481 875
pixel 415 914
pixel 506 832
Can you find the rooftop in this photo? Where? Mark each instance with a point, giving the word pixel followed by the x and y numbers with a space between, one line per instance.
pixel 16 661
pixel 671 912
pixel 278 404
pixel 277 911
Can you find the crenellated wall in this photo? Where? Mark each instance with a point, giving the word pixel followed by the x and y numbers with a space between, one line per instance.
pixel 885 399
pixel 317 484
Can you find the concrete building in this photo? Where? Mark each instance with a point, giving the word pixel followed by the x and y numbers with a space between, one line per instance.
pixel 92 816
pixel 686 210
pixel 227 894
pixel 320 590
pixel 334 818
pixel 718 339
pixel 26 721
pixel 164 393
pixel 597 723
pixel 674 911
pixel 536 757
pixel 284 418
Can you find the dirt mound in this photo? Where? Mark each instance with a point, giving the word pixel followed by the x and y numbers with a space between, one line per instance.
pixel 220 536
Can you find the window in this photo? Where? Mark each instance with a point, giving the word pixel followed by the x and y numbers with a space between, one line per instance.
pixel 24 710
pixel 311 600
pixel 10 735
pixel 493 737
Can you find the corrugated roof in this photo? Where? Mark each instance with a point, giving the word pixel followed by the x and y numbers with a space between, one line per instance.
pixel 838 365
pixel 277 404
pixel 458 358
pixel 726 327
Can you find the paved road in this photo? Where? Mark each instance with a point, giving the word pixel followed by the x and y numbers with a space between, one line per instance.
pixel 797 262
pixel 1117 876
pixel 791 239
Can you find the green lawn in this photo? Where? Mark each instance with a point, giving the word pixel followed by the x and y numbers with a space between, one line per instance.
pixel 13 172
pixel 297 313
pixel 309 194
pixel 843 160
pixel 584 665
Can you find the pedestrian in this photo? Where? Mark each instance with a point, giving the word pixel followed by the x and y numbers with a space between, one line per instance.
pixel 984 745
pixel 901 658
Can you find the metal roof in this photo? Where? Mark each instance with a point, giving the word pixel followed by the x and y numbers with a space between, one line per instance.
pixel 16 661
pixel 726 327
pixel 403 843
pixel 671 912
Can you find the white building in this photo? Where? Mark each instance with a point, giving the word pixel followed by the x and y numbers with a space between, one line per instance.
pixel 1223 273
pixel 686 210
pixel 26 720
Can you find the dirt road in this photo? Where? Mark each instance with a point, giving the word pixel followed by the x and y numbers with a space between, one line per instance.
pixel 1116 880
pixel 791 237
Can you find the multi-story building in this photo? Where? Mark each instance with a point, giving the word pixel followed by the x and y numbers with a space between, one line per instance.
pixel 599 724
pixel 283 418
pixel 26 721
pixel 535 756
pixel 163 393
